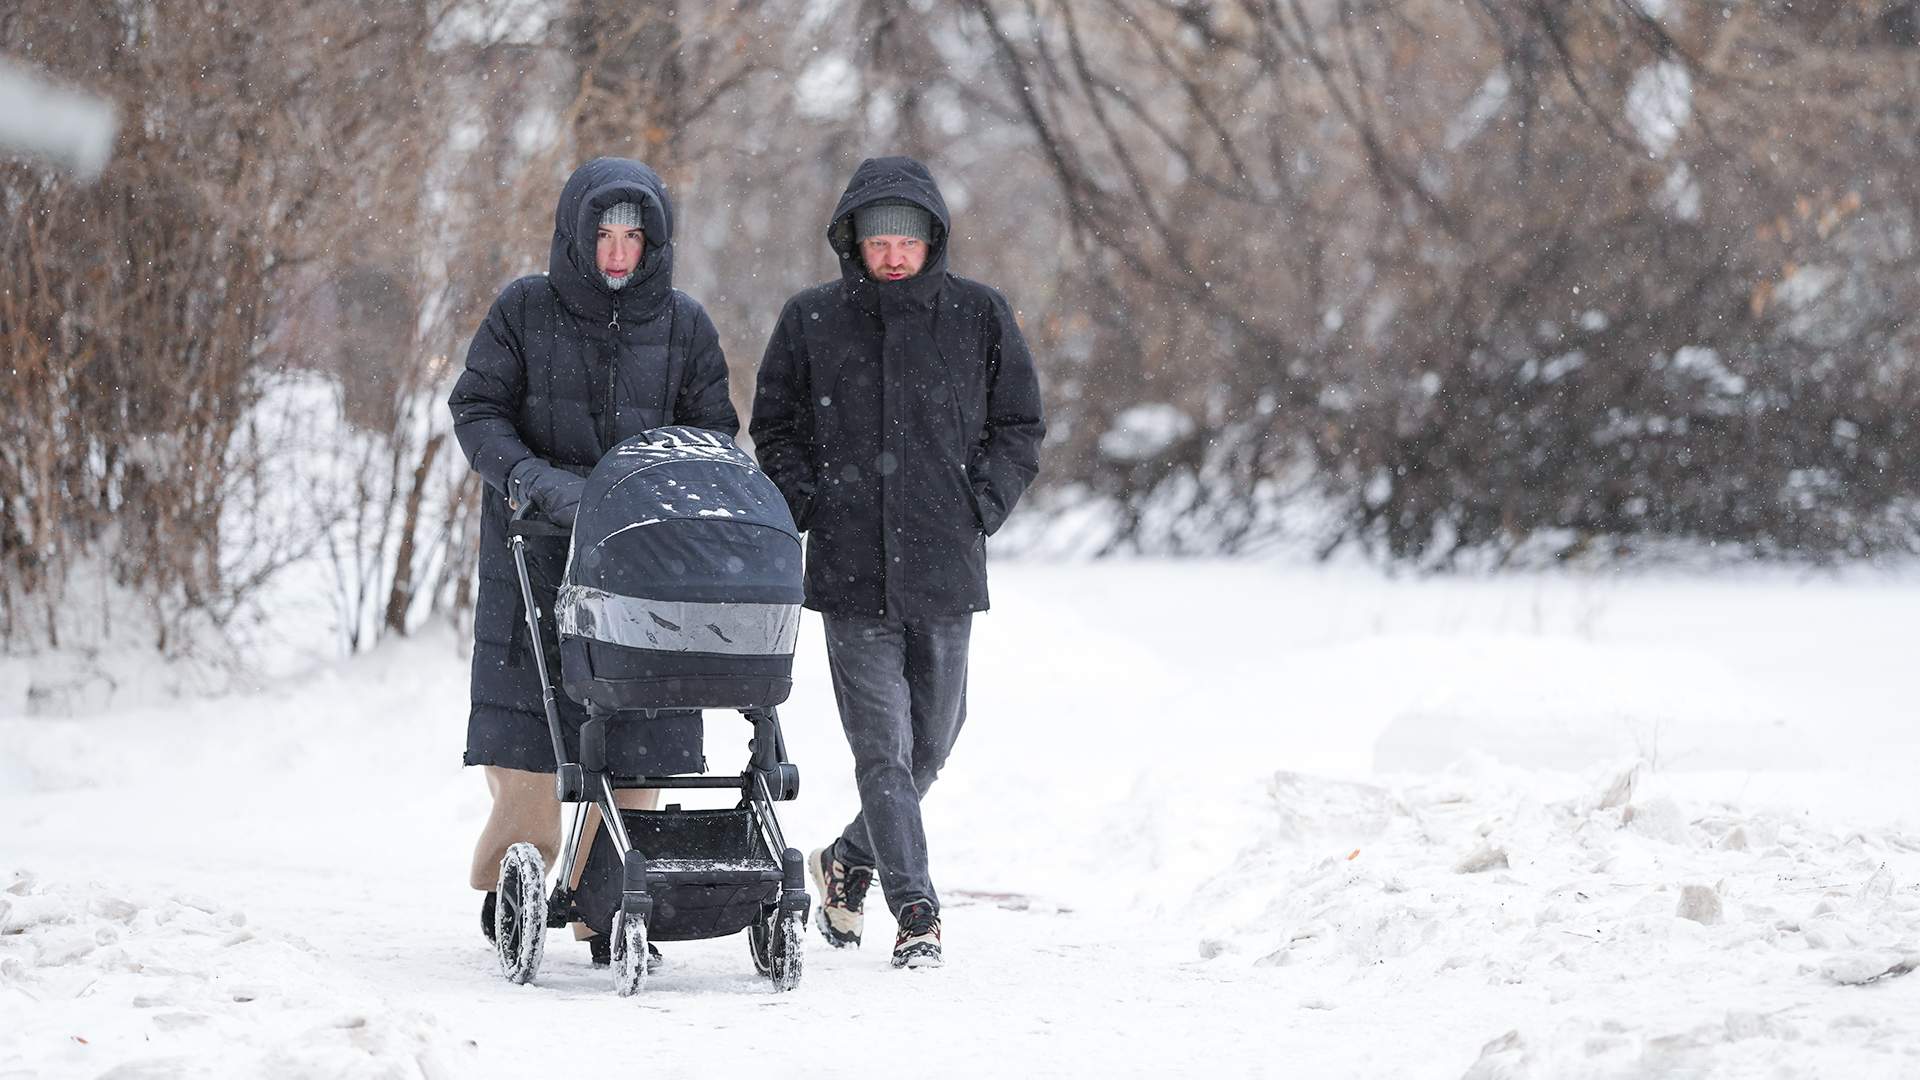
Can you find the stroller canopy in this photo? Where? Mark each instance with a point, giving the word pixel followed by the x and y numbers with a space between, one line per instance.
pixel 682 545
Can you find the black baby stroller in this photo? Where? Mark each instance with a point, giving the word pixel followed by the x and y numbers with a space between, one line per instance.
pixel 682 591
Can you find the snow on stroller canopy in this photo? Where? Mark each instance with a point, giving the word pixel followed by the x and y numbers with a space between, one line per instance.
pixel 683 514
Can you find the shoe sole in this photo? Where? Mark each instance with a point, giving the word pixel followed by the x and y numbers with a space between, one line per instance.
pixel 834 937
pixel 919 960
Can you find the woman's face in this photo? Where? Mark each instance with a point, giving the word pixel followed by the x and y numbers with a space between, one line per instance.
pixel 618 249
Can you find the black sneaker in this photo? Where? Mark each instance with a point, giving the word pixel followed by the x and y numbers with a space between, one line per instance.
pixel 486 914
pixel 843 896
pixel 918 943
pixel 601 946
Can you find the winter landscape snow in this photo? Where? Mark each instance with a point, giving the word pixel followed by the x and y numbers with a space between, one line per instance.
pixel 1208 818
pixel 1461 626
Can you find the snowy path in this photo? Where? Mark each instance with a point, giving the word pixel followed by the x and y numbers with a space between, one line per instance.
pixel 1144 839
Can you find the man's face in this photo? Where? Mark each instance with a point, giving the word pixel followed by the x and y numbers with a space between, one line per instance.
pixel 618 250
pixel 893 258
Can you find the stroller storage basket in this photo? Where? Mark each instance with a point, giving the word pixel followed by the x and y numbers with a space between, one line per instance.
pixel 709 871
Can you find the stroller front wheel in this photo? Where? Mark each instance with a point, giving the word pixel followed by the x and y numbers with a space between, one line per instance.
pixel 520 914
pixel 629 954
pixel 776 939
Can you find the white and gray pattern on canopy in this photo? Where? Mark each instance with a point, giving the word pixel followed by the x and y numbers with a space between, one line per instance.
pixel 679 626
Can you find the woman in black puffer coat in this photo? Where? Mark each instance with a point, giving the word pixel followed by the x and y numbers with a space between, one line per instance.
pixel 568 364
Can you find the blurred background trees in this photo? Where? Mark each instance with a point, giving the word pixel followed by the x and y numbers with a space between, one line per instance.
pixel 1490 276
pixel 1441 280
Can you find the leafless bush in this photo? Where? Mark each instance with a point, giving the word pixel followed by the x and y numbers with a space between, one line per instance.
pixel 142 313
pixel 1497 271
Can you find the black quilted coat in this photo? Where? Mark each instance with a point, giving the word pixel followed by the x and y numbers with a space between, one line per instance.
pixel 564 368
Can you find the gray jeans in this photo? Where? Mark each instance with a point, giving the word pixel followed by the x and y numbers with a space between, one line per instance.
pixel 902 689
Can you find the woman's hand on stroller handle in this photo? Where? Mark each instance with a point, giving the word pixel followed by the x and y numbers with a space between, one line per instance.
pixel 554 491
pixel 523 523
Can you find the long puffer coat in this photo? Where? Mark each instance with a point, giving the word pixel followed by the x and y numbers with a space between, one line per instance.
pixel 564 368
pixel 901 420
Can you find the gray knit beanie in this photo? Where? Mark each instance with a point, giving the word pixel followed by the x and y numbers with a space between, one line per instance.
pixel 618 215
pixel 893 217
pixel 622 214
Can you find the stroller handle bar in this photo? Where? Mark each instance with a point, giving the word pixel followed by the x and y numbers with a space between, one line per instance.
pixel 520 524
pixel 519 527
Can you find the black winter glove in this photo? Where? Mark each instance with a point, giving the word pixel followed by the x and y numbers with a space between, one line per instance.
pixel 555 491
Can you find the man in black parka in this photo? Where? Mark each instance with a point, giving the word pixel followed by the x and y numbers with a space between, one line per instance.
pixel 598 349
pixel 898 411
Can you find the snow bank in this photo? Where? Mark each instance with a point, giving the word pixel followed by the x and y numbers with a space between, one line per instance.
pixel 1627 932
pixel 141 983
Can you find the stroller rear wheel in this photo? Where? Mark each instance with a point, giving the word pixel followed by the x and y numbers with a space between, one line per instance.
pixel 520 914
pixel 776 939
pixel 629 954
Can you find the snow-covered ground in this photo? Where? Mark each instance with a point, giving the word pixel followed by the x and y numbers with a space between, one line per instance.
pixel 1206 818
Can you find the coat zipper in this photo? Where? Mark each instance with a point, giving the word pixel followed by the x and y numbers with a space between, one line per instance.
pixel 613 361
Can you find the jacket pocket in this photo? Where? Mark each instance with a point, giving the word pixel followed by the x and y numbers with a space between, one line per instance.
pixel 802 507
pixel 963 449
pixel 973 500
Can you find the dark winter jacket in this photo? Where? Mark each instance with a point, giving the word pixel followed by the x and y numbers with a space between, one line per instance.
pixel 563 369
pixel 901 420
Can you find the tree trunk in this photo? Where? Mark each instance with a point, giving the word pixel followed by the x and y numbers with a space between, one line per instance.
pixel 400 598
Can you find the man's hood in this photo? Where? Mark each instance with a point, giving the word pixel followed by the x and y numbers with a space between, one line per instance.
pixel 571 264
pixel 889 178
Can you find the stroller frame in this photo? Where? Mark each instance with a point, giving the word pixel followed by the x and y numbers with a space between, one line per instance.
pixel 525 909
